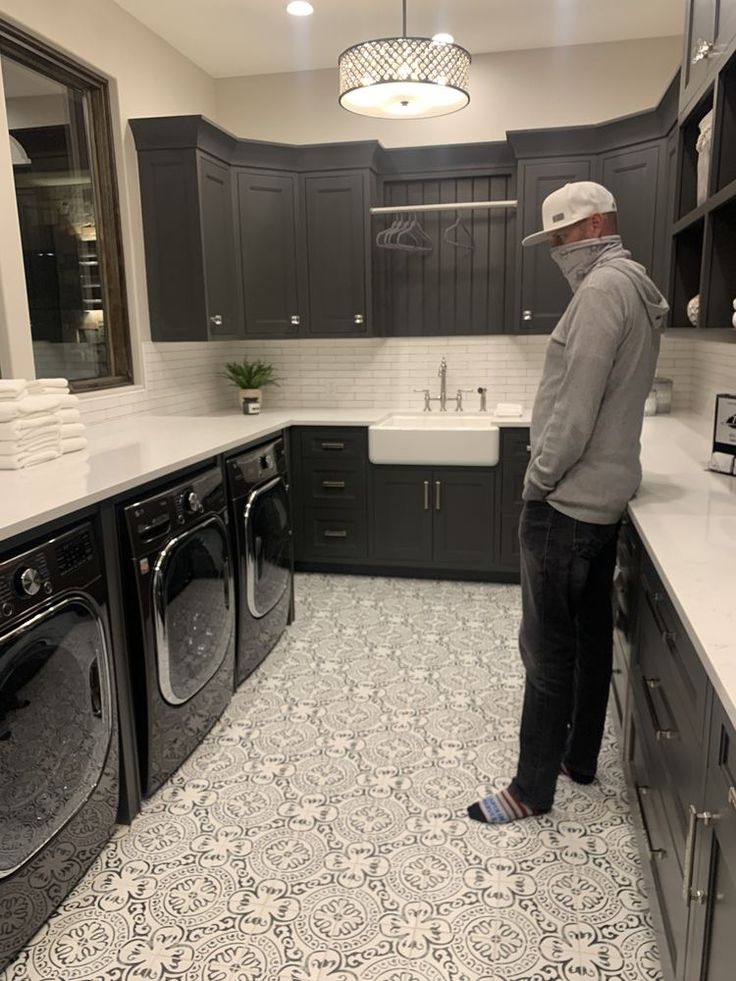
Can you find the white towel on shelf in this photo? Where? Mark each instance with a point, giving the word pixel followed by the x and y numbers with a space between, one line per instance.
pixel 24 424
pixel 24 407
pixel 21 460
pixel 72 443
pixel 43 439
pixel 72 429
pixel 13 388
pixel 69 415
pixel 509 410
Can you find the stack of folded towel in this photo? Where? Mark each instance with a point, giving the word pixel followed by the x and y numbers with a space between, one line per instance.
pixel 30 430
pixel 72 427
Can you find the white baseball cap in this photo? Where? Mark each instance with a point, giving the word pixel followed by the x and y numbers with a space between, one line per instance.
pixel 570 204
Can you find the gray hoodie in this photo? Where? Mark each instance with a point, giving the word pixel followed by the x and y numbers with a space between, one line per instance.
pixel 599 368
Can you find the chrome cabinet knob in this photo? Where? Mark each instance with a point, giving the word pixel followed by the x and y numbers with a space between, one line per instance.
pixel 526 315
pixel 358 318
pixel 295 319
pixel 216 320
pixel 702 49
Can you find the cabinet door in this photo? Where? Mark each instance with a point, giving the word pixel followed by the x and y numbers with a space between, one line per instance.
pixel 401 515
pixel 336 253
pixel 631 176
pixel 267 225
pixel 700 26
pixel 712 891
pixel 544 290
pixel 218 245
pixel 464 518
pixel 514 461
pixel 725 23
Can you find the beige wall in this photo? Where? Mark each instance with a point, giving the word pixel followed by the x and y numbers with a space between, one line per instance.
pixel 509 90
pixel 148 78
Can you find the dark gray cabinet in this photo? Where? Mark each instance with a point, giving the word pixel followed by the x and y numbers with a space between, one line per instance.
pixel 186 196
pixel 269 254
pixel 441 515
pixel 335 207
pixel 514 460
pixel 543 290
pixel 632 175
pixel 710 28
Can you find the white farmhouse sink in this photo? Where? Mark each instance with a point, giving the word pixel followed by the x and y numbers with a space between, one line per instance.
pixel 434 440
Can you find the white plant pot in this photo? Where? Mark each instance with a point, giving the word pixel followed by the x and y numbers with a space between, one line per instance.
pixel 250 401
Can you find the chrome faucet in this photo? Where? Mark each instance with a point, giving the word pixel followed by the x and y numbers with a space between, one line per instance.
pixel 443 384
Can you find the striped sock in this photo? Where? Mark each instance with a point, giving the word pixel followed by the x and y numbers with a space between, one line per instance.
pixel 500 808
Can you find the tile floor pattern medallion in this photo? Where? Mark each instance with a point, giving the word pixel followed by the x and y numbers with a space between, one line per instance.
pixel 319 833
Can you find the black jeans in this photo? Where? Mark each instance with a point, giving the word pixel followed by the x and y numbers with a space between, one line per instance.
pixel 566 644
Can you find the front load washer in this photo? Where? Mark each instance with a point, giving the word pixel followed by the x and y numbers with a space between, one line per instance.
pixel 259 498
pixel 59 773
pixel 181 617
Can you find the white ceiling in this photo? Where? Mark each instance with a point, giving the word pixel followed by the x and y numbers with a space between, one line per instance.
pixel 254 37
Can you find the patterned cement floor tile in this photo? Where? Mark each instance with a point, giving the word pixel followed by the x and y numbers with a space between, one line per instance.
pixel 319 833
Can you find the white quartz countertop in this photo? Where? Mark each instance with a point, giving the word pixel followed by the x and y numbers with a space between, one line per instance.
pixel 686 517
pixel 126 453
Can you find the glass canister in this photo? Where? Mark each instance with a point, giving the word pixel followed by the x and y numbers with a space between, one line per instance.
pixel 663 394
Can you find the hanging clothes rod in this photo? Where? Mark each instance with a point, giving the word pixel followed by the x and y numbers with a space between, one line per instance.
pixel 455 206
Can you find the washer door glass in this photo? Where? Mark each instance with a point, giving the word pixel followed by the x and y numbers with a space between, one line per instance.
pixel 267 546
pixel 55 725
pixel 194 616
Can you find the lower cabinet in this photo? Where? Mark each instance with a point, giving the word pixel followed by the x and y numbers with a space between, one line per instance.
pixel 350 514
pixel 681 755
pixel 440 515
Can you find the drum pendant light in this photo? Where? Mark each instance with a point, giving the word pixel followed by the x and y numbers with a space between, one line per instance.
pixel 404 77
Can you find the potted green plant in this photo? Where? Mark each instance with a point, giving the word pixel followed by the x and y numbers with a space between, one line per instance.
pixel 250 377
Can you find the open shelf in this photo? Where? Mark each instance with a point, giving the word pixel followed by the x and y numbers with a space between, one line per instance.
pixel 687 262
pixel 687 198
pixel 721 269
pixel 724 161
pixel 693 217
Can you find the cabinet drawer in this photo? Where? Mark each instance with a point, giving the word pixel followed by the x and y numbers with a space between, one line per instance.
pixel 338 487
pixel 332 535
pixel 335 445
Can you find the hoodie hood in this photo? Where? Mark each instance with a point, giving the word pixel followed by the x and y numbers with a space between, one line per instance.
pixel 654 303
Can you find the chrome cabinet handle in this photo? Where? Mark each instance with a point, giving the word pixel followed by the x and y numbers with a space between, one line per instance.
pixel 660 733
pixel 702 49
pixel 358 318
pixel 526 315
pixel 336 484
pixel 732 797
pixel 216 320
pixel 295 319
pixel 654 853
pixel 332 446
pixel 337 533
pixel 669 637
pixel 426 495
pixel 690 895
pixel 438 492
pixel 528 447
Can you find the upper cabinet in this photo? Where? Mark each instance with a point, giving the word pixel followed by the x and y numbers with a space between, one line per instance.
pixel 336 211
pixel 704 240
pixel 186 196
pixel 710 27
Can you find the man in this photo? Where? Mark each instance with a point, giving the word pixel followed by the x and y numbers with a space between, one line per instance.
pixel 583 470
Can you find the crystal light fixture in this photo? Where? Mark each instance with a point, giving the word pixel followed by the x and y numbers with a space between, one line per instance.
pixel 404 77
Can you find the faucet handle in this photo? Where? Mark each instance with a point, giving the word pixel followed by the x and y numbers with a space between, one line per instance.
pixel 459 398
pixel 425 393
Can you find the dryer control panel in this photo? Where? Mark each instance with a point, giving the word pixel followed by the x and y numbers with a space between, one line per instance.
pixel 255 467
pixel 33 576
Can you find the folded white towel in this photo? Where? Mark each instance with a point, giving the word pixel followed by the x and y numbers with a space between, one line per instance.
pixel 44 420
pixel 30 404
pixel 48 383
pixel 69 415
pixel 72 443
pixel 13 388
pixel 21 460
pixel 68 401
pixel 30 440
pixel 508 409
pixel 72 429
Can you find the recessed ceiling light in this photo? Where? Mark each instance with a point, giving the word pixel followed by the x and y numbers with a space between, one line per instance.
pixel 443 38
pixel 299 8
